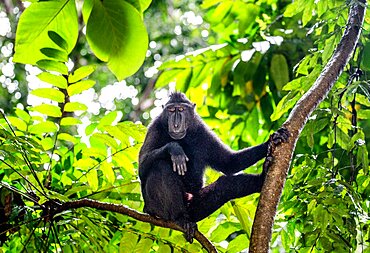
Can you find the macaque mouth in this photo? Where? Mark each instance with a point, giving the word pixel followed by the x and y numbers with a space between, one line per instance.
pixel 177 135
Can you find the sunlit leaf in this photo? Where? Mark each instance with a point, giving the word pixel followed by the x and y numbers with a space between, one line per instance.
pixel 18 123
pixel 108 119
pixel 144 245
pixel 221 11
pixel 22 115
pixel 67 137
pixel 50 93
pixel 284 105
pixel 223 231
pixel 70 121
pixel 79 87
pixel 108 172
pixel 238 244
pixel 74 106
pixel 92 179
pixel 109 141
pixel 164 248
pixel 128 242
pixel 47 143
pixel 43 127
pixel 85 163
pixel 81 73
pixel 294 8
pixel 116 34
pixel 166 77
pixel 53 66
pixel 58 81
pixel 49 110
pixel 35 23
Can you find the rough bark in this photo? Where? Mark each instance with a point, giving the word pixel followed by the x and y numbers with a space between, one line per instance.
pixel 272 189
pixel 134 214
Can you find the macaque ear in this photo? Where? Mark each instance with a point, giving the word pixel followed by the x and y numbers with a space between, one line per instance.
pixel 194 104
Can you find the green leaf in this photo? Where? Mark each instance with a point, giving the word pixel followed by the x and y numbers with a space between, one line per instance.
pixel 294 8
pixel 108 172
pixel 221 11
pixel 47 143
pixel 57 39
pixel 55 54
pixel 200 73
pixel 118 134
pixel 74 106
pixel 49 93
pixel 35 23
pixel 166 77
pixel 67 137
pixel 85 163
pixel 43 127
pixel 238 244
pixel 92 179
pixel 164 248
pixel 285 104
pixel 363 158
pixel 117 35
pixel 58 81
pixel 81 73
pixel 307 12
pixel 108 119
pixel 18 123
pixel 143 245
pixel 128 242
pixel 49 110
pixel 53 66
pixel 70 121
pixel 279 71
pixel 365 61
pixel 106 139
pixel 90 128
pixel 22 115
pixel 79 87
pixel 223 231
pixel 145 4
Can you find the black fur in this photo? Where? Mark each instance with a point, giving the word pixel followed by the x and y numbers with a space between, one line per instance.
pixel 183 198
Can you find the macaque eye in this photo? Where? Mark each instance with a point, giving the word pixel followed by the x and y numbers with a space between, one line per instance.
pixel 181 109
pixel 171 109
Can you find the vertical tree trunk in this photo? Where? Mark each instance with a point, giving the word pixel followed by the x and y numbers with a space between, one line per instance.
pixel 272 189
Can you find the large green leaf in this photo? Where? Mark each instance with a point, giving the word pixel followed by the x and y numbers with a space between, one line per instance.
pixel 117 35
pixel 36 21
pixel 279 70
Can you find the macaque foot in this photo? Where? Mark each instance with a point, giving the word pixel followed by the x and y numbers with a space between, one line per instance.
pixel 189 229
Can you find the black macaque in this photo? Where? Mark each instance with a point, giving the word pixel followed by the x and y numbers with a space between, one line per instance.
pixel 177 149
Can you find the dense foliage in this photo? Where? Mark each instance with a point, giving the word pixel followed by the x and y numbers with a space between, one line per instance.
pixel 245 64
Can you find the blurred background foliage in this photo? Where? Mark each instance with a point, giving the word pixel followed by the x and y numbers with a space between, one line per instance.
pixel 75 131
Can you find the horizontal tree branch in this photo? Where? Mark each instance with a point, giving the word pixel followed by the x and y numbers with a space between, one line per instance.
pixel 272 189
pixel 133 214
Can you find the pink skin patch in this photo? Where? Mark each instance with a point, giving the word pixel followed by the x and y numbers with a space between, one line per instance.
pixel 188 196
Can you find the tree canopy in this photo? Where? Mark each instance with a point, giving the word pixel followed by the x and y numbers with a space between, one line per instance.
pixel 80 80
